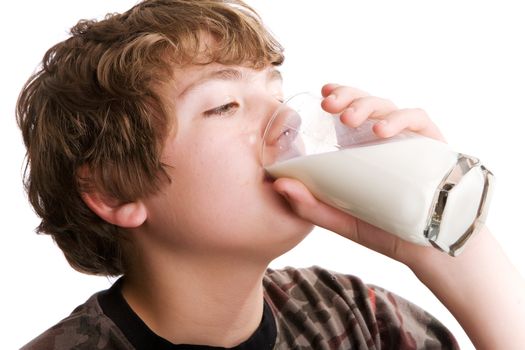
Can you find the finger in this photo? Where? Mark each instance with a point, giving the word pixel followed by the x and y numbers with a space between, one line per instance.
pixel 364 108
pixel 328 88
pixel 413 119
pixel 340 98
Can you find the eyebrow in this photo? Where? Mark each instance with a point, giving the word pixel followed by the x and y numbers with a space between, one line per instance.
pixel 228 74
pixel 274 74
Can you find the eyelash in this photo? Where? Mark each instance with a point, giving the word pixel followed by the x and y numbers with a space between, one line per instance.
pixel 223 110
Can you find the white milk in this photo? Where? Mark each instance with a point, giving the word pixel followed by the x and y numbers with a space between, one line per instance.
pixel 391 185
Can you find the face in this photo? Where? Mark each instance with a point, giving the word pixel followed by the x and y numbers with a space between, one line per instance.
pixel 219 200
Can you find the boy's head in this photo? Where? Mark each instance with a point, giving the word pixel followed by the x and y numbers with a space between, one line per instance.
pixel 96 117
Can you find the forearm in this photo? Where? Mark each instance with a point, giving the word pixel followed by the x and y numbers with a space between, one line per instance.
pixel 482 290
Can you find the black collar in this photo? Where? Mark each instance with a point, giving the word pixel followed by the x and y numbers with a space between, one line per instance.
pixel 141 337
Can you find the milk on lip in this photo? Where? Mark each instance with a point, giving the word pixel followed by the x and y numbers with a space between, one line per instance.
pixel 391 185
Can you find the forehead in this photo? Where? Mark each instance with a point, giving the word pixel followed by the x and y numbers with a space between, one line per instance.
pixel 189 78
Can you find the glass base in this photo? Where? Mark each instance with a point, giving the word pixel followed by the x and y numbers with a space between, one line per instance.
pixel 460 205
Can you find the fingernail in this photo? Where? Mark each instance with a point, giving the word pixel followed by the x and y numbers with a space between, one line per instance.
pixel 331 97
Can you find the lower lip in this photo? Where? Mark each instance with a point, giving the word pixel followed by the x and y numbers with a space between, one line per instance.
pixel 268 179
pixel 266 176
pixel 268 183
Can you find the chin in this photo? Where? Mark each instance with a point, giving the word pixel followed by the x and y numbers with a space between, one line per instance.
pixel 290 237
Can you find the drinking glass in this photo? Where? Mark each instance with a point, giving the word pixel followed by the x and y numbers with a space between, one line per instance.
pixel 409 185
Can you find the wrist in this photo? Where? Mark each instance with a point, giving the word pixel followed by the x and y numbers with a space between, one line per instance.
pixel 432 263
pixel 481 288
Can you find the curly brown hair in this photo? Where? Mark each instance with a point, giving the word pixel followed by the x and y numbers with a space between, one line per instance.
pixel 96 103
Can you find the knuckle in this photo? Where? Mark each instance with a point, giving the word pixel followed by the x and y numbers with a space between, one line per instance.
pixel 352 225
pixel 353 92
pixel 420 112
pixel 388 102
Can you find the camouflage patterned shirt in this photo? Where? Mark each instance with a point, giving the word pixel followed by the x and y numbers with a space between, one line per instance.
pixel 308 308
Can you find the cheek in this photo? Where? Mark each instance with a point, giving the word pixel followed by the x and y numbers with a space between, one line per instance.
pixel 217 198
pixel 226 168
pixel 220 174
pixel 232 158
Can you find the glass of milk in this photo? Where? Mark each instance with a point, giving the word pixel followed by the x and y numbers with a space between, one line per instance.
pixel 409 185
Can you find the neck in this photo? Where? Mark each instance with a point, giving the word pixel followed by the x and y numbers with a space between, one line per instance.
pixel 215 301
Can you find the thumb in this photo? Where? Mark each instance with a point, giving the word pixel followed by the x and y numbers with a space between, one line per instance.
pixel 295 193
pixel 306 206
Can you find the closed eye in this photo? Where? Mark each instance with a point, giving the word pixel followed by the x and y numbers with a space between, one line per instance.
pixel 222 111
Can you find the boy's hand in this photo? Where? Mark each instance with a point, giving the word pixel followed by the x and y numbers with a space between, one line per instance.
pixel 355 107
pixel 480 287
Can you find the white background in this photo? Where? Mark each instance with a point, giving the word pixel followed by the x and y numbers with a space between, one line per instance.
pixel 463 62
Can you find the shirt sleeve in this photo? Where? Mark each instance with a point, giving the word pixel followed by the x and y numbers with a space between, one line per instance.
pixel 403 325
pixel 318 309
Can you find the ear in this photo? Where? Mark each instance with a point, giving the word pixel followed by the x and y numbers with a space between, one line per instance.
pixel 126 215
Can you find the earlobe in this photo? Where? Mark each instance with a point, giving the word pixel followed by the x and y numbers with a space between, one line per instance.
pixel 126 215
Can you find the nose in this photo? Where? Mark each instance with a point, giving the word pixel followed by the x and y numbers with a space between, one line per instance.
pixel 279 140
pixel 283 122
pixel 269 112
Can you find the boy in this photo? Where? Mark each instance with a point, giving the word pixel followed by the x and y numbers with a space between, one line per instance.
pixel 143 134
